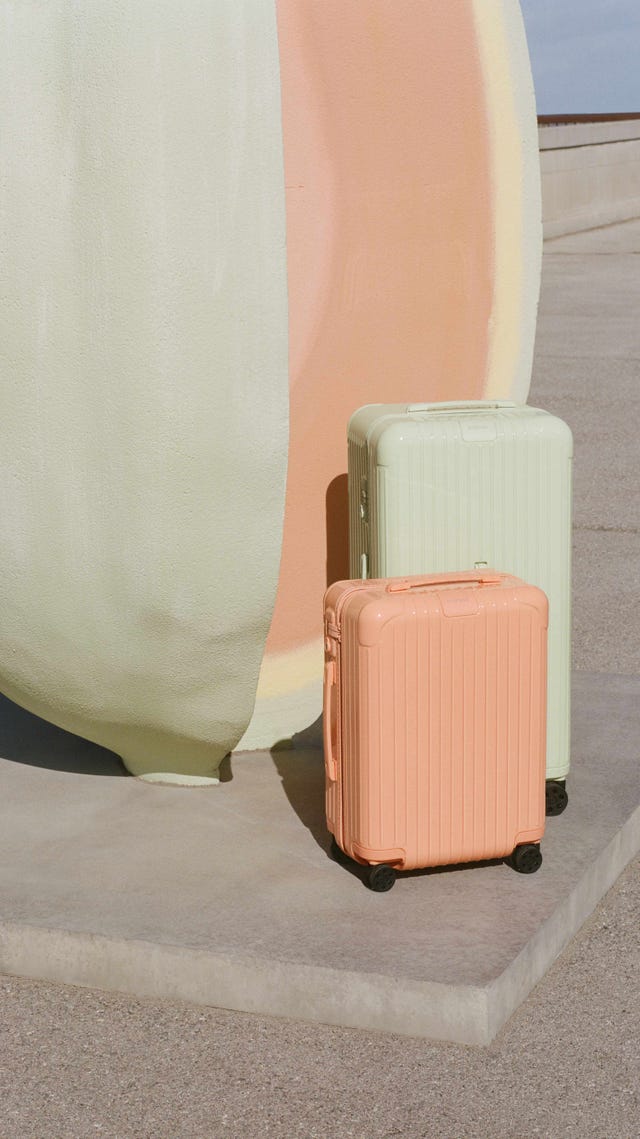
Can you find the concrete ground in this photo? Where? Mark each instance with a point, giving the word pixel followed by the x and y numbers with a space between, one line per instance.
pixel 75 1063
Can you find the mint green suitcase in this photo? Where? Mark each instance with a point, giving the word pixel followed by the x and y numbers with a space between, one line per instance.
pixel 452 486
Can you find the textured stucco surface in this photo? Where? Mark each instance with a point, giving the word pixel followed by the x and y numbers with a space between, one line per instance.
pixel 144 375
pixel 515 169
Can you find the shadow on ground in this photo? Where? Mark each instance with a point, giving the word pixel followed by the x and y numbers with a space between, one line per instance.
pixel 301 770
pixel 25 738
pixel 300 765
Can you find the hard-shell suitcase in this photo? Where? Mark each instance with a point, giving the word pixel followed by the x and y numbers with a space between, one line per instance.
pixel 442 487
pixel 434 721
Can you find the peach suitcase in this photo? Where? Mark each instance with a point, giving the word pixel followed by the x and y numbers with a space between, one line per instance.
pixel 435 721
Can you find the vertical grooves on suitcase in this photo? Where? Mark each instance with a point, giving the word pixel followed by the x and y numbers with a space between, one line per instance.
pixel 356 526
pixel 357 470
pixel 443 728
pixel 451 502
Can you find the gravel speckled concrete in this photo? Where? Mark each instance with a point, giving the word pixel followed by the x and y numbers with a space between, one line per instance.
pixel 76 1063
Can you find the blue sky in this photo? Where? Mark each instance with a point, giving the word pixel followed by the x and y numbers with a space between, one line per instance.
pixel 585 54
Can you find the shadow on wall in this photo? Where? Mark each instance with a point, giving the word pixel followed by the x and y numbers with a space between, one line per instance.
pixel 337 507
pixel 299 760
pixel 25 738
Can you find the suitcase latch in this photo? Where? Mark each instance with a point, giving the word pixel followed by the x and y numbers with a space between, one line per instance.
pixel 364 501
pixel 331 640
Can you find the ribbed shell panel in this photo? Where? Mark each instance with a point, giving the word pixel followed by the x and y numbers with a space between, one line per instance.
pixel 443 735
pixel 358 525
pixel 360 793
pixel 444 501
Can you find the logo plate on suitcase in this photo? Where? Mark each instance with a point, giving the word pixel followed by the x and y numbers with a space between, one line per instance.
pixel 458 605
pixel 478 430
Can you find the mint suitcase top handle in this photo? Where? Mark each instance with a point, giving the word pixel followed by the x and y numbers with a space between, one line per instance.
pixel 462 405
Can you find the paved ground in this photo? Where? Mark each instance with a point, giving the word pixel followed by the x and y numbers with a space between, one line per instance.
pixel 76 1063
pixel 227 896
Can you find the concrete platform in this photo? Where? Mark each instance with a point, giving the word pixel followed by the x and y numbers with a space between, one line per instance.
pixel 226 896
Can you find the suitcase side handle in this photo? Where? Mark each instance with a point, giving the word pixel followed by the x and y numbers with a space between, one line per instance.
pixel 330 761
pixel 462 405
pixel 464 577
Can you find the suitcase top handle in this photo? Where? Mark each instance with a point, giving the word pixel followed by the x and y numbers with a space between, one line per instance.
pixel 466 577
pixel 462 405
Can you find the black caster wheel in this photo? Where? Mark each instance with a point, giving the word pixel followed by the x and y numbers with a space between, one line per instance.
pixel 527 858
pixel 380 878
pixel 556 797
pixel 337 853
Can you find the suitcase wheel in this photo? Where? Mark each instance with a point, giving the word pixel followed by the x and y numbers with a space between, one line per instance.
pixel 555 796
pixel 527 858
pixel 337 853
pixel 380 878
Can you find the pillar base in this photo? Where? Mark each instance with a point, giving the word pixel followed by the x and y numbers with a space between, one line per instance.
pixel 178 780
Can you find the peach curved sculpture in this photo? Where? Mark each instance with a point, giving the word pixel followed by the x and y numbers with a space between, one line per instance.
pixel 414 244
pixel 225 229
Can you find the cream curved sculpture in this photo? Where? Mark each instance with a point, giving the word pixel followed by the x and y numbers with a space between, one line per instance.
pixel 228 224
pixel 144 374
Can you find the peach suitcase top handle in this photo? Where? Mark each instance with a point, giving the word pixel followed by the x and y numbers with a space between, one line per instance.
pixel 462 577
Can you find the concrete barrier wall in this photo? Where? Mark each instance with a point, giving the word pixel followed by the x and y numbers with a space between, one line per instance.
pixel 590 174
